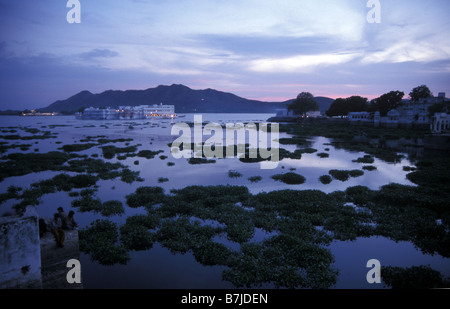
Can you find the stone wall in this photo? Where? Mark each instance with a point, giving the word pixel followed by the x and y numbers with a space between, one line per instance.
pixel 20 253
pixel 28 261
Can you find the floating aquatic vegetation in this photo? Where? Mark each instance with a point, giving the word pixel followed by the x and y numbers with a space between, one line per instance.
pixel 11 193
pixel 129 176
pixel 19 164
pixel 87 203
pixel 325 179
pixel 200 161
pixel 254 179
pixel 323 155
pixel 110 208
pixel 181 234
pixel 234 174
pixel 148 154
pixel 290 178
pixel 110 151
pixel 344 175
pixel 100 240
pixel 415 277
pixel 46 135
pixel 145 196
pixel 409 168
pixel 136 237
pixel 366 159
pixel 301 265
pixel 369 167
pixel 77 147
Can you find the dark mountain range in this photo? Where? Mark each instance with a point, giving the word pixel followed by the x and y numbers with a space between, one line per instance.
pixel 185 99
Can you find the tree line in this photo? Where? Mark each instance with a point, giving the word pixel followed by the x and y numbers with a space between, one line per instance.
pixel 342 106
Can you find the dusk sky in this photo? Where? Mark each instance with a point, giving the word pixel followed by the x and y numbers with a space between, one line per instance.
pixel 257 49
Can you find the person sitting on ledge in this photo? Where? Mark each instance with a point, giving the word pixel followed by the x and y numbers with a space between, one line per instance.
pixel 69 222
pixel 56 228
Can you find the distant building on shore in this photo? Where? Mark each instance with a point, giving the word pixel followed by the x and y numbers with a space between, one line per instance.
pixel 34 113
pixel 129 112
pixel 408 115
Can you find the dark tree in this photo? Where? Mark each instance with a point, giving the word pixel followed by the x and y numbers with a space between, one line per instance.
pixel 341 107
pixel 441 107
pixel 388 101
pixel 304 103
pixel 420 92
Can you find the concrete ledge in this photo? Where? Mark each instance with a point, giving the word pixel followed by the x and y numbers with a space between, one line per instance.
pixel 54 260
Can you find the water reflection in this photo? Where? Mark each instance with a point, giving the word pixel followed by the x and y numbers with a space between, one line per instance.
pixel 157 267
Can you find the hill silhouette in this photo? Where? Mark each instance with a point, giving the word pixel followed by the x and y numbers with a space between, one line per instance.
pixel 185 99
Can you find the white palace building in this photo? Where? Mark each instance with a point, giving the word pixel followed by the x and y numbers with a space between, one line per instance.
pixel 129 112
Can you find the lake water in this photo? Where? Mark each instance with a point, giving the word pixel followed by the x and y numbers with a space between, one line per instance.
pixel 157 267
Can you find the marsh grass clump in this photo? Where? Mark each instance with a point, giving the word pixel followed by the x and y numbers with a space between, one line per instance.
pixel 181 234
pixel 129 176
pixel 409 168
pixel 150 221
pixel 295 140
pixel 325 179
pixel 145 196
pixel 110 208
pixel 369 167
pixel 290 178
pixel 415 277
pixel 148 154
pixel 366 159
pixel 100 240
pixel 77 147
pixel 200 161
pixel 254 179
pixel 88 203
pixel 254 265
pixel 323 155
pixel 234 174
pixel 110 151
pixel 11 193
pixel 211 253
pixel 19 164
pixel 136 237
pixel 344 175
pixel 355 173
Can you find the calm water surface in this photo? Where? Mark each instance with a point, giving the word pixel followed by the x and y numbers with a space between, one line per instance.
pixel 157 267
